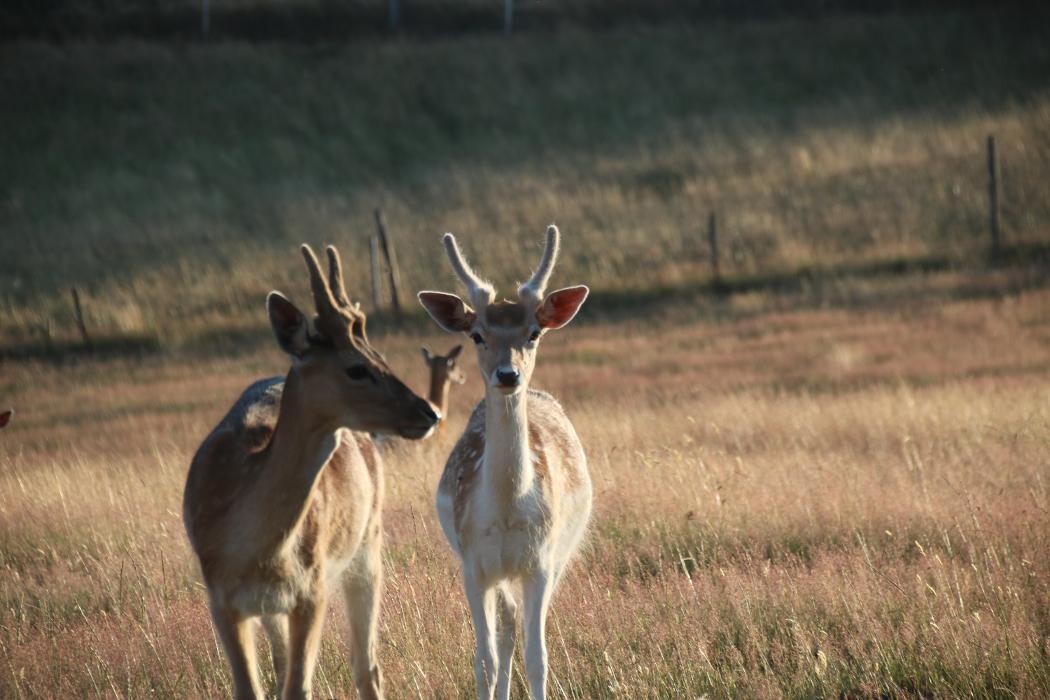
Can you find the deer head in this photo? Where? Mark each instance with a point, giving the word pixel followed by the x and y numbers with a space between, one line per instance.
pixel 443 368
pixel 345 382
pixel 506 333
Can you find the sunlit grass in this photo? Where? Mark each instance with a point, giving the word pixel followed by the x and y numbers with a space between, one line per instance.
pixel 876 528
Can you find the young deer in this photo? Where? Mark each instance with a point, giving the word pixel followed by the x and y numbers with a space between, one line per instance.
pixel 283 501
pixel 515 495
pixel 443 374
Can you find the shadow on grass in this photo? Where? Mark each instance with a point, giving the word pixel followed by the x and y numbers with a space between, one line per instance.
pixel 804 287
pixel 309 21
pixel 61 351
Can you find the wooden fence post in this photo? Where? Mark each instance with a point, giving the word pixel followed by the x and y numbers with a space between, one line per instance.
pixel 508 16
pixel 994 188
pixel 391 261
pixel 78 315
pixel 377 284
pixel 712 241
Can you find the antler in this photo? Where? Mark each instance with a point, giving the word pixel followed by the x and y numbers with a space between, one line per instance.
pixel 324 302
pixel 532 291
pixel 335 277
pixel 480 292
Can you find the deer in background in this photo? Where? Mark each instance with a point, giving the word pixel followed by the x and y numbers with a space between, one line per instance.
pixel 443 374
pixel 283 501
pixel 6 416
pixel 515 495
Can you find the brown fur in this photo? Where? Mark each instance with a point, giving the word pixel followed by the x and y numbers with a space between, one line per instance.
pixel 282 499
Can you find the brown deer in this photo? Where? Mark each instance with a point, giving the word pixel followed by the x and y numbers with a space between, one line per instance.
pixel 283 501
pixel 443 374
pixel 515 496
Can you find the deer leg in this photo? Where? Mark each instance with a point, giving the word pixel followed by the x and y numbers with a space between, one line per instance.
pixel 537 590
pixel 507 627
pixel 482 603
pixel 238 640
pixel 305 622
pixel 276 627
pixel 362 588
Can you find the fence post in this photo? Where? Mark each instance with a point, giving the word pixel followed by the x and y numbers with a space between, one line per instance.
pixel 391 261
pixel 205 16
pixel 373 261
pixel 712 241
pixel 78 315
pixel 394 14
pixel 994 187
pixel 508 16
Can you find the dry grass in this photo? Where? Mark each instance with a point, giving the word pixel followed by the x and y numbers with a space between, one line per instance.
pixel 172 182
pixel 801 503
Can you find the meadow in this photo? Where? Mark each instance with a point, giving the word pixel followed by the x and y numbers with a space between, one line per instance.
pixel 826 475
pixel 803 502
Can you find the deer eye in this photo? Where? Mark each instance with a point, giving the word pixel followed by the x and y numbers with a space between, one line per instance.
pixel 476 337
pixel 357 372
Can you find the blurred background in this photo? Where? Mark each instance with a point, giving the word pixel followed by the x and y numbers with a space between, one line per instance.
pixel 812 378
pixel 165 157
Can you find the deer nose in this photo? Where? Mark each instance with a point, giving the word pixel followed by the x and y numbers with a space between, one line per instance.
pixel 429 412
pixel 508 376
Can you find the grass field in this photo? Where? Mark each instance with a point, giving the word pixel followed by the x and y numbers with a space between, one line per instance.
pixel 800 502
pixel 170 182
pixel 826 476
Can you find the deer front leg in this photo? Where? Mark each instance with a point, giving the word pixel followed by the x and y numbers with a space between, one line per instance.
pixel 536 594
pixel 482 603
pixel 238 640
pixel 508 631
pixel 363 588
pixel 276 627
pixel 305 623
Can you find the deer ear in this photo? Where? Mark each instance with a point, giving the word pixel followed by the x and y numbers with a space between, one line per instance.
pixel 448 311
pixel 454 353
pixel 558 308
pixel 288 323
pixel 5 417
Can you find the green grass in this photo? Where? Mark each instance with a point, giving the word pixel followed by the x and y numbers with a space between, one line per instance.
pixel 171 182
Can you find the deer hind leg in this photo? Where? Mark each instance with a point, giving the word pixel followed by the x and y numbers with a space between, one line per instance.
pixel 362 588
pixel 507 627
pixel 482 603
pixel 237 634
pixel 537 590
pixel 305 622
pixel 276 627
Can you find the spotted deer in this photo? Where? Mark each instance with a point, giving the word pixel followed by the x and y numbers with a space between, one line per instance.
pixel 443 374
pixel 515 495
pixel 283 501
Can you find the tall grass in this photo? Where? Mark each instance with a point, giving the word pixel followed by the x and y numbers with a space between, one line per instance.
pixel 799 503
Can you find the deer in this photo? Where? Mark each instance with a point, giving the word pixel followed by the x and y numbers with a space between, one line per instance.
pixel 443 374
pixel 514 498
pixel 6 416
pixel 283 499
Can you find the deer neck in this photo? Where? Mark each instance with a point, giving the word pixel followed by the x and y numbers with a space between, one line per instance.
pixel 294 462
pixel 508 472
pixel 438 396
